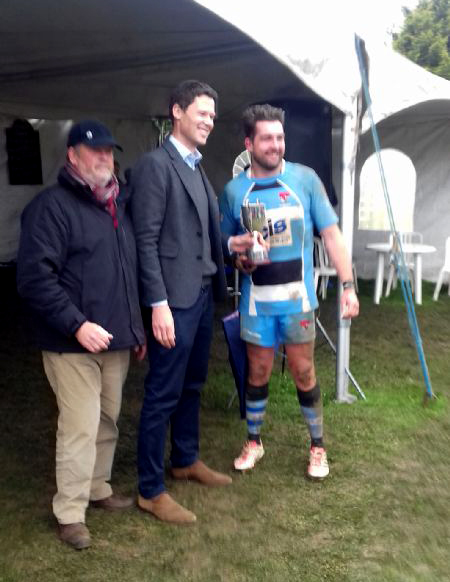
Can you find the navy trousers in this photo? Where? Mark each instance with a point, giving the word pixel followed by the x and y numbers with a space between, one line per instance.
pixel 172 395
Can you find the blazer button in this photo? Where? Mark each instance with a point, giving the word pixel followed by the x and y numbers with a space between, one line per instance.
pixel 199 233
pixel 199 257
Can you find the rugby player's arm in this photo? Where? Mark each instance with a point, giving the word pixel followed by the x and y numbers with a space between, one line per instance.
pixel 337 251
pixel 232 241
pixel 340 259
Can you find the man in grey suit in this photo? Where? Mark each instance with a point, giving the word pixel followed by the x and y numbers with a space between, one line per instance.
pixel 176 220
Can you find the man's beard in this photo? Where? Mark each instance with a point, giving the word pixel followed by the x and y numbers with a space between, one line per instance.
pixel 98 178
pixel 263 163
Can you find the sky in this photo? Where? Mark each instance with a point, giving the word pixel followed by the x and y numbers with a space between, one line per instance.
pixel 373 19
pixel 377 18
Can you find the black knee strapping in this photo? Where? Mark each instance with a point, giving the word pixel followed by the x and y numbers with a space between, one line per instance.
pixel 310 397
pixel 256 392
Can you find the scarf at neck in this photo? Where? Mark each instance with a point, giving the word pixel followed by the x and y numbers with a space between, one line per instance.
pixel 105 195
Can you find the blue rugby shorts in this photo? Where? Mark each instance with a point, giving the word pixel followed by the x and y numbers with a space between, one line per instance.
pixel 272 330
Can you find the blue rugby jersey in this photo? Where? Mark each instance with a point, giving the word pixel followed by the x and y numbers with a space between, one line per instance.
pixel 294 201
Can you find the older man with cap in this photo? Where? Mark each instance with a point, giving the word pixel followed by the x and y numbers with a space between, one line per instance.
pixel 77 274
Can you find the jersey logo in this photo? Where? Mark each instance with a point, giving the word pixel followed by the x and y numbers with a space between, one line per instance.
pixel 283 196
pixel 304 323
pixel 279 226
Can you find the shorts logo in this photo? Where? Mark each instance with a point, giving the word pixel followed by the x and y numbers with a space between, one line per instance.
pixel 304 323
pixel 283 196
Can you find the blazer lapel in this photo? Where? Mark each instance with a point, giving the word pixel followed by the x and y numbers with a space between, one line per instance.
pixel 212 198
pixel 183 170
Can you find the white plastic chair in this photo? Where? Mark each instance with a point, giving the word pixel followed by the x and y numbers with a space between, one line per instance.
pixel 323 268
pixel 445 270
pixel 405 238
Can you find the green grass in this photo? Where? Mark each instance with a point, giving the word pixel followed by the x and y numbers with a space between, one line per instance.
pixel 382 515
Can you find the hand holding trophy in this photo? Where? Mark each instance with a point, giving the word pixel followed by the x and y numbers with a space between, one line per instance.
pixel 254 220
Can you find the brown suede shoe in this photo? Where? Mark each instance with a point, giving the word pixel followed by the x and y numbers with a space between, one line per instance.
pixel 203 474
pixel 113 503
pixel 75 535
pixel 165 508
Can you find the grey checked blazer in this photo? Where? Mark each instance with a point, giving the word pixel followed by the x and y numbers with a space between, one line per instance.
pixel 168 229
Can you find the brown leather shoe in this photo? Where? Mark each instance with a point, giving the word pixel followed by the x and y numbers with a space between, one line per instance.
pixel 75 535
pixel 165 508
pixel 203 474
pixel 113 503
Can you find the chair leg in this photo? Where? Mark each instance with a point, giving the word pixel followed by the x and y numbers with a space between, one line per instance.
pixel 395 280
pixel 322 291
pixel 411 280
pixel 390 280
pixel 325 287
pixel 437 289
pixel 316 279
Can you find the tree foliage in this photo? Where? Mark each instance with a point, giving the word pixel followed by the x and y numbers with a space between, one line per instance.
pixel 425 36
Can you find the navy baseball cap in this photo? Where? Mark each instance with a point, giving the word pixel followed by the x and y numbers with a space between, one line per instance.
pixel 91 133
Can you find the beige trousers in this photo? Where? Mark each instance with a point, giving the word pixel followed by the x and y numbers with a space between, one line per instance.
pixel 88 390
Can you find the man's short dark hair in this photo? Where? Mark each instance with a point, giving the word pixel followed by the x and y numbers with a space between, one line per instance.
pixel 255 113
pixel 185 93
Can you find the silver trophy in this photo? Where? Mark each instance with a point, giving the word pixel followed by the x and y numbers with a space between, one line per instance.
pixel 254 220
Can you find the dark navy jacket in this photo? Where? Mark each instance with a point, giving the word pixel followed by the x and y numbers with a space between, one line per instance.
pixel 73 266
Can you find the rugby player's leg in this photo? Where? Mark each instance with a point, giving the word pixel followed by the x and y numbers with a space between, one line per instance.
pixel 301 364
pixel 260 362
